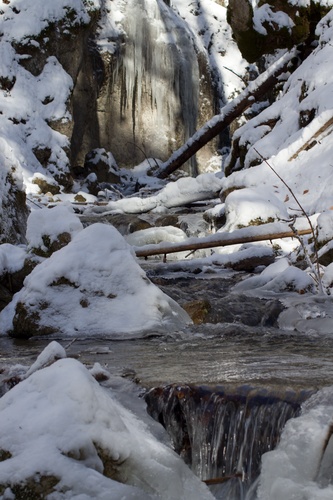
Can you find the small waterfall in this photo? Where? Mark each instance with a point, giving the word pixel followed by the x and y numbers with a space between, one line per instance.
pixel 223 435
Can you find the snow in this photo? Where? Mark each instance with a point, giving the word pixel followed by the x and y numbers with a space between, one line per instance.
pixel 31 17
pixel 250 206
pixel 60 422
pixel 294 469
pixel 325 226
pixel 276 20
pixel 11 258
pixel 208 23
pixel 95 286
pixel 174 194
pixel 309 87
pixel 51 222
pixel 156 235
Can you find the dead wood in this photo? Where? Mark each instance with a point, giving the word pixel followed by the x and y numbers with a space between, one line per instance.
pixel 323 131
pixel 240 236
pixel 230 112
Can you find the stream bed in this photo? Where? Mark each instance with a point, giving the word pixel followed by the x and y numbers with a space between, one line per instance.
pixel 224 389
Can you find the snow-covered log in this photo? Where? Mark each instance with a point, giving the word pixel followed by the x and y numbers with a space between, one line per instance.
pixel 272 231
pixel 229 113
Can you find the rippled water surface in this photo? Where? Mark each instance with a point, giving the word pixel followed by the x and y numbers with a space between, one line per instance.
pixel 227 352
pixel 209 354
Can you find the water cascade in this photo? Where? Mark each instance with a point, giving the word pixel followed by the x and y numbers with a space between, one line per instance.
pixel 159 82
pixel 223 435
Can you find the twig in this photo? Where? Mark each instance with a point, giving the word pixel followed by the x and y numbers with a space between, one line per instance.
pixel 317 270
pixel 236 74
pixel 144 153
pixel 69 344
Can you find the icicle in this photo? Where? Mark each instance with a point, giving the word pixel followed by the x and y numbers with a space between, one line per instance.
pixel 160 71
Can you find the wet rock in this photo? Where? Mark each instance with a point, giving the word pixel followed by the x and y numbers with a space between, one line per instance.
pixel 252 421
pixel 215 304
pixel 12 282
pixel 249 264
pixel 198 310
pixel 272 312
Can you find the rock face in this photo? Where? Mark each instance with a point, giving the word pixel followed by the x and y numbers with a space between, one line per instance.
pixel 142 94
pixel 265 28
pixel 149 95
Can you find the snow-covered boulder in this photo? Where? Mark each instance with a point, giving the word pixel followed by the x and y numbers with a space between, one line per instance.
pixel 49 229
pixel 278 277
pixel 91 286
pixel 252 207
pixel 62 435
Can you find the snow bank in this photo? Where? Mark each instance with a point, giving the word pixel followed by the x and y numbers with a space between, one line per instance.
pixel 61 425
pixel 294 134
pixel 278 277
pixel 295 469
pixel 91 286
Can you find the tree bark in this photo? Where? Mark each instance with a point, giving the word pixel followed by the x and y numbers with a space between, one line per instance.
pixel 230 112
pixel 240 236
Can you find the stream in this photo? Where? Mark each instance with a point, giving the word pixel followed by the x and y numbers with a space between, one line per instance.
pixel 223 388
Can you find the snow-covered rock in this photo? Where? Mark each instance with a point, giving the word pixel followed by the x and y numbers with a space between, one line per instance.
pixel 91 286
pixel 64 436
pixel 252 206
pixel 49 229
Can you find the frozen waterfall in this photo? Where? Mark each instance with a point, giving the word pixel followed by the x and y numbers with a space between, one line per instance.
pixel 156 81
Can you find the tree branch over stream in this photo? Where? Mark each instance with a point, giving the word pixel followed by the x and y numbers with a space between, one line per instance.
pixel 272 231
pixel 229 113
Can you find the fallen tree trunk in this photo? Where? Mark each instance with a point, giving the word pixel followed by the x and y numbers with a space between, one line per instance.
pixel 245 235
pixel 230 112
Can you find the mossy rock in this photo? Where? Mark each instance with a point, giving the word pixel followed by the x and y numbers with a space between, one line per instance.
pixel 4 455
pixel 257 222
pixel 253 45
pixel 79 198
pixel 198 310
pixel 45 186
pixel 7 83
pixel 34 488
pixel 26 322
pixel 52 246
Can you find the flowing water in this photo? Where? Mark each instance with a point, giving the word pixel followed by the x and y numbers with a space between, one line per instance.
pixel 223 390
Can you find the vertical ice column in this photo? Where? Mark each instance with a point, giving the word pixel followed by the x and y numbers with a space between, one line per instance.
pixel 160 72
